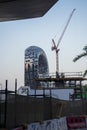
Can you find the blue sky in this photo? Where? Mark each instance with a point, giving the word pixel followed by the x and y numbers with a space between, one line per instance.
pixel 16 36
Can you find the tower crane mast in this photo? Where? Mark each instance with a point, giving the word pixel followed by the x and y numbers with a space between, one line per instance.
pixel 55 47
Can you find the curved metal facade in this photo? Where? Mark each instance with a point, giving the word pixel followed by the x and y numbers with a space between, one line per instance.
pixel 36 65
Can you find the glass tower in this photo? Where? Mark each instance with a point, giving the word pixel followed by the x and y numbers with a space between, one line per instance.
pixel 36 65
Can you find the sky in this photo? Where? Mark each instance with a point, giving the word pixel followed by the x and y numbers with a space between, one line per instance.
pixel 16 36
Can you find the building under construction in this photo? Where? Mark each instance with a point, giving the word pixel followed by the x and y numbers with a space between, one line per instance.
pixel 16 110
pixel 44 96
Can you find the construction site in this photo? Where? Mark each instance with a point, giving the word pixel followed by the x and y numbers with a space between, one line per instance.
pixel 16 109
pixel 44 96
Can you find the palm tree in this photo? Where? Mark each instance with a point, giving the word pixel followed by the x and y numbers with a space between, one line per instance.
pixel 80 56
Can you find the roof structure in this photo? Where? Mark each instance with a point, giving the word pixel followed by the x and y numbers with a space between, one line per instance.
pixel 67 76
pixel 61 79
pixel 23 9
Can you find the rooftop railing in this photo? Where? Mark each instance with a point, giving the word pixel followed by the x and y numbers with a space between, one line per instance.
pixel 62 74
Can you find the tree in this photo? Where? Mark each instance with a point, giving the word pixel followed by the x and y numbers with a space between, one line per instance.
pixel 80 56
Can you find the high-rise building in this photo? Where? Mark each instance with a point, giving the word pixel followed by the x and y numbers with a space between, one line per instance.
pixel 36 65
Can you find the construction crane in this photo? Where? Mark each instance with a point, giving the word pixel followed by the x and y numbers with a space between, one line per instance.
pixel 55 47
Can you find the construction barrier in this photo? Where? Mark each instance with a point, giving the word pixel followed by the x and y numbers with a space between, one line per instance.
pixel 55 124
pixel 76 122
pixel 64 123
pixel 51 124
pixel 33 126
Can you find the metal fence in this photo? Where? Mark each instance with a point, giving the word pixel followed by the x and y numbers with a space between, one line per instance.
pixel 18 109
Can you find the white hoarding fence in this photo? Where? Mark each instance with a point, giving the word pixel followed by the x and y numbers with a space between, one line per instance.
pixel 54 124
pixel 33 126
pixel 62 124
